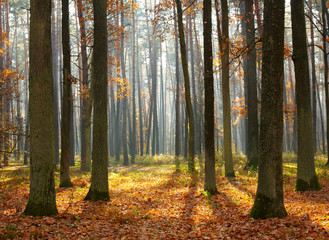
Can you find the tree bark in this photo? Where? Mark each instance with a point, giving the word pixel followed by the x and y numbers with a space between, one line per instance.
pixel 225 62
pixel 99 176
pixel 209 110
pixel 269 196
pixel 42 197
pixel 65 180
pixel 191 161
pixel 306 176
pixel 251 78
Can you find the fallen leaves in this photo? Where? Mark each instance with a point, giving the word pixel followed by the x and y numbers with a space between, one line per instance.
pixel 158 203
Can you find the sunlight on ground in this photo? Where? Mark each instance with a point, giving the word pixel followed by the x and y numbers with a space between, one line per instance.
pixel 154 201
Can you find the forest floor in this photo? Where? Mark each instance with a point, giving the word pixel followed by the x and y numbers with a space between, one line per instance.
pixel 155 202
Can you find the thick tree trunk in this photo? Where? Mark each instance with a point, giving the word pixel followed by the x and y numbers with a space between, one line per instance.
pixel 42 197
pixel 306 176
pixel 99 176
pixel 269 196
pixel 209 110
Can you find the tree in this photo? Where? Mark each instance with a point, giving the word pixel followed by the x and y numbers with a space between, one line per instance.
pixel 42 198
pixel 177 105
pixel 124 92
pixel 225 62
pixel 209 124
pixel 326 70
pixel 133 139
pixel 191 162
pixel 99 175
pixel 269 196
pixel 85 165
pixel 306 176
pixel 251 78
pixel 65 180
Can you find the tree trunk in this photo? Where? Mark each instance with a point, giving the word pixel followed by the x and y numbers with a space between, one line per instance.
pixel 251 77
pixel 99 176
pixel 209 110
pixel 177 104
pixel 124 94
pixel 65 180
pixel 191 162
pixel 85 88
pixel 42 197
pixel 325 58
pixel 269 196
pixel 54 46
pixel 306 176
pixel 225 53
pixel 314 82
pixel 133 138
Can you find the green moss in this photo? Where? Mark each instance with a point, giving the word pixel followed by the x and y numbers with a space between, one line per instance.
pixel 209 192
pixel 265 207
pixel 94 195
pixel 302 185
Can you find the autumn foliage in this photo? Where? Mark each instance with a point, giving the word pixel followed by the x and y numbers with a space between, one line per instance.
pixel 155 202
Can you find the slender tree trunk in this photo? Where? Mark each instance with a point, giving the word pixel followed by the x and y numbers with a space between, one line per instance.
pixel 26 108
pixel 124 94
pixel 325 58
pixel 225 51
pixel 133 138
pixel 65 180
pixel 314 82
pixel 251 77
pixel 85 88
pixel 55 75
pixel 191 162
pixel 140 107
pixel 177 104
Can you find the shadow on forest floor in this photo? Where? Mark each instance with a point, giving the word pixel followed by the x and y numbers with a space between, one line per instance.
pixel 155 202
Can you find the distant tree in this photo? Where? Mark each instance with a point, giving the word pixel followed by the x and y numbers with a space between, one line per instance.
pixel 65 180
pixel 85 165
pixel 306 176
pixel 269 196
pixel 99 175
pixel 209 111
pixel 133 138
pixel 225 62
pixel 177 97
pixel 325 24
pixel 251 78
pixel 188 102
pixel 42 198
